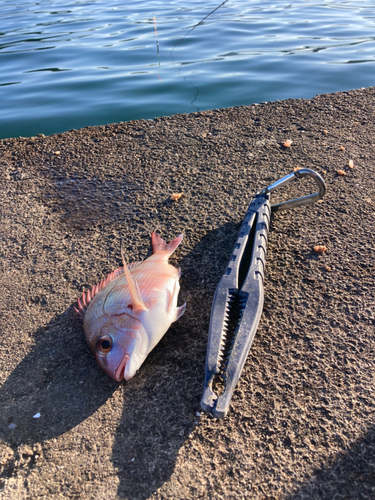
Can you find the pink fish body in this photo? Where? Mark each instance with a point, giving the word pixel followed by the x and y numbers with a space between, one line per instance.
pixel 127 314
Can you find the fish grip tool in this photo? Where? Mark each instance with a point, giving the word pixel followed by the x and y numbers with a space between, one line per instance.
pixel 238 300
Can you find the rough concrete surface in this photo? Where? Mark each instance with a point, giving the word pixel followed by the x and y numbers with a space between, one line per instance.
pixel 301 424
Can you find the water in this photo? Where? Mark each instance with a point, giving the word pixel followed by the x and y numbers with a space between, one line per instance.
pixel 68 64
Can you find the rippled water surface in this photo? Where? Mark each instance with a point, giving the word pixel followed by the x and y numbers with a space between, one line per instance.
pixel 68 64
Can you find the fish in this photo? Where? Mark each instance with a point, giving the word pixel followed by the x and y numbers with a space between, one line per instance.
pixel 128 312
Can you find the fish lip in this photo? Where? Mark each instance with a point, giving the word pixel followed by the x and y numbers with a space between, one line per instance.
pixel 119 373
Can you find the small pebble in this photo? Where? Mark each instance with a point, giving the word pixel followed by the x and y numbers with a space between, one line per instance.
pixel 327 268
pixel 56 153
pixel 37 415
pixel 341 172
pixel 351 164
pixel 341 148
pixel 325 132
pixel 176 196
pixel 287 143
pixel 198 414
pixel 320 249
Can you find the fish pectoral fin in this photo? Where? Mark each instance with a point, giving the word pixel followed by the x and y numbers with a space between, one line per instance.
pixel 180 311
pixel 137 303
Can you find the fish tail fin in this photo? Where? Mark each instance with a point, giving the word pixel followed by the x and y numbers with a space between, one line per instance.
pixel 160 246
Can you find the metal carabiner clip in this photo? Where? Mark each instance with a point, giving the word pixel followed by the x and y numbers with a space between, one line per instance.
pixel 238 301
pixel 297 202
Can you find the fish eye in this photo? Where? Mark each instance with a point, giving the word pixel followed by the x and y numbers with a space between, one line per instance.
pixel 104 344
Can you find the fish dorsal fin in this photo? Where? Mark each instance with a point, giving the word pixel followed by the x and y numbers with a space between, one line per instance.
pixel 137 302
pixel 87 297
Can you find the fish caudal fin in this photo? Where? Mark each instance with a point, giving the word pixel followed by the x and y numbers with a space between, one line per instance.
pixel 161 247
pixel 137 302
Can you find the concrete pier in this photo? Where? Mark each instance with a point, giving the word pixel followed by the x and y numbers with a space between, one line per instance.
pixel 301 423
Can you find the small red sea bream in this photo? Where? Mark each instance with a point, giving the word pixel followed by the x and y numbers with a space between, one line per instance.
pixel 126 314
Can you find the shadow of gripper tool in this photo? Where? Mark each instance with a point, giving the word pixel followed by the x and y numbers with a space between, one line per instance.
pixel 238 300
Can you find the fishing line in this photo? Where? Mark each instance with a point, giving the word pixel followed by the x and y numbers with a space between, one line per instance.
pixel 200 22
pixel 183 38
pixel 157 46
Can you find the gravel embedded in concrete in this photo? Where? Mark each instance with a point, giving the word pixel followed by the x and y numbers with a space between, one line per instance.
pixel 301 424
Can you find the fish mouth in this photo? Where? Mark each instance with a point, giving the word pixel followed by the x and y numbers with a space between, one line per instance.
pixel 120 372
